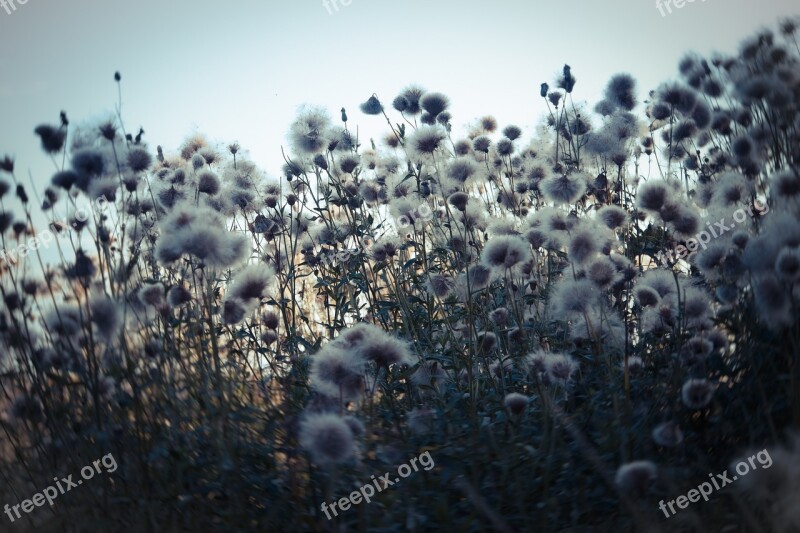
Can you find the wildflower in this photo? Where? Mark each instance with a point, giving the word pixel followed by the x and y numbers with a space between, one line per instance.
pixel 695 350
pixel 602 272
pixel 383 349
pixel 668 434
pixel 87 164
pixel 572 296
pixel 209 155
pixel 730 190
pixel 512 132
pixel 65 321
pixel 82 268
pixel 535 362
pixel 348 163
pixel 200 232
pixel 543 90
pixel 308 133
pixel 233 311
pixel 340 139
pixel 21 194
pixel 702 115
pixel 327 437
pixel 428 374
pixel 696 304
pixel 372 106
pixel 486 342
pixel 652 195
pixel 564 189
pixel 477 276
pixel 7 164
pixel 170 196
pixel 105 188
pixel 515 403
pixel 505 251
pixel 583 245
pixel 208 183
pixel 773 302
pixel 555 97
pixel 786 186
pixel 620 91
pixel 661 280
pixel 152 294
pixel 425 141
pixel 400 103
pixel 504 147
pixel 459 200
pixel 501 367
pixel 192 145
pixel 338 373
pixel 567 82
pixel 52 138
pixel 481 144
pixel 499 316
pixel 411 97
pixel 711 259
pixel 604 108
pixel 636 477
pixel 139 159
pixel 612 216
pixel 251 282
pixel 105 315
pixel 559 367
pixel 269 336
pixel 440 285
pixel 434 103
pixel 687 223
pixel 787 264
pixel 270 320
pixel 178 295
pixel 462 169
pixel 696 393
pixel 679 97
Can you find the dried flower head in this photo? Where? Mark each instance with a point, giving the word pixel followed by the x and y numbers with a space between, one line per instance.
pixel 668 434
pixel 327 437
pixel 697 393
pixel 338 373
pixel 515 403
pixel 636 477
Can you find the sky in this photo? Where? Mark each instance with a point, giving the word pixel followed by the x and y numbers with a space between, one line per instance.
pixel 239 70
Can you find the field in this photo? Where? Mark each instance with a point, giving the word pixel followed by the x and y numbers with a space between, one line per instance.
pixel 592 329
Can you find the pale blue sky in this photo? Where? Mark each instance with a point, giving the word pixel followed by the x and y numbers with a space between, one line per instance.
pixel 238 70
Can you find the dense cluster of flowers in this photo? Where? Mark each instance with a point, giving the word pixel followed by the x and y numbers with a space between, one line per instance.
pixel 528 333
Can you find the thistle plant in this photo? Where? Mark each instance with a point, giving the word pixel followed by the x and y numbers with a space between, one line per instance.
pixel 250 346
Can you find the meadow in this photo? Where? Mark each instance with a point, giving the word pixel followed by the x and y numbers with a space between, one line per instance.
pixel 575 329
